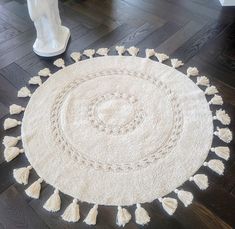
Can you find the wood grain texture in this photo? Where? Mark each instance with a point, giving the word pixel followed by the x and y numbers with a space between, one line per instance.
pixel 199 32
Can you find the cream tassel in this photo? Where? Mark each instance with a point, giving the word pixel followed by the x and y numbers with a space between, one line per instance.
pixel 36 80
pixel 89 53
pixel 92 215
pixel 34 189
pixel 223 117
pixel 200 180
pixel 21 175
pixel 133 51
pixel 10 123
pixel 185 197
pixel 15 109
pixel 222 152
pixel 211 90
pixel 123 216
pixel 120 50
pixel 141 215
pixel 45 72
pixel 216 100
pixel 53 203
pixel 161 57
pixel 215 165
pixel 72 213
pixel 59 63
pixel 9 141
pixel 224 134
pixel 192 71
pixel 76 56
pixel 149 53
pixel 169 204
pixel 102 51
pixel 176 63
pixel 24 92
pixel 203 81
pixel 11 153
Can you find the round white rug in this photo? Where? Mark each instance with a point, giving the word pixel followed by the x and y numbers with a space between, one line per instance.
pixel 120 130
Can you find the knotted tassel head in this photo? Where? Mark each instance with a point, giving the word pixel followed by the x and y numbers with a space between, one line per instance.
pixel 45 72
pixel 92 216
pixel 59 63
pixel 34 189
pixel 35 80
pixel 15 109
pixel 176 63
pixel 203 81
pixel 161 57
pixel 123 216
pixel 215 165
pixel 141 215
pixel 76 56
pixel 185 197
pixel 9 141
pixel 89 53
pixel 216 100
pixel 72 213
pixel 222 151
pixel 192 71
pixel 224 134
pixel 21 175
pixel 211 90
pixel 149 53
pixel 11 153
pixel 200 180
pixel 223 117
pixel 102 51
pixel 120 50
pixel 133 51
pixel 169 204
pixel 24 92
pixel 53 203
pixel 10 123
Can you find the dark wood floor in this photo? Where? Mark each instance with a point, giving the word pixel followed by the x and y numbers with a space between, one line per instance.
pixel 199 32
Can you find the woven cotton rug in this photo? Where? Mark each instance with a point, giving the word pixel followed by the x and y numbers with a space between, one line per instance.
pixel 119 130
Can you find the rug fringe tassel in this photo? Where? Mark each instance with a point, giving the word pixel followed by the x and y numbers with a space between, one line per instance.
pixel 21 175
pixel 216 100
pixel 59 63
pixel 123 216
pixel 53 203
pixel 45 72
pixel 11 153
pixel 215 165
pixel 35 80
pixel 24 92
pixel 92 216
pixel 9 141
pixel 141 215
pixel 76 56
pixel 133 51
pixel 222 152
pixel 10 123
pixel 169 204
pixel 161 57
pixel 120 50
pixel 200 180
pixel 89 52
pixel 192 71
pixel 72 213
pixel 102 51
pixel 211 90
pixel 15 109
pixel 185 197
pixel 203 81
pixel 223 117
pixel 34 189
pixel 176 63
pixel 224 134
pixel 149 53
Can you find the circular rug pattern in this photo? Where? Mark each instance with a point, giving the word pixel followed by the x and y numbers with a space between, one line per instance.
pixel 119 130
